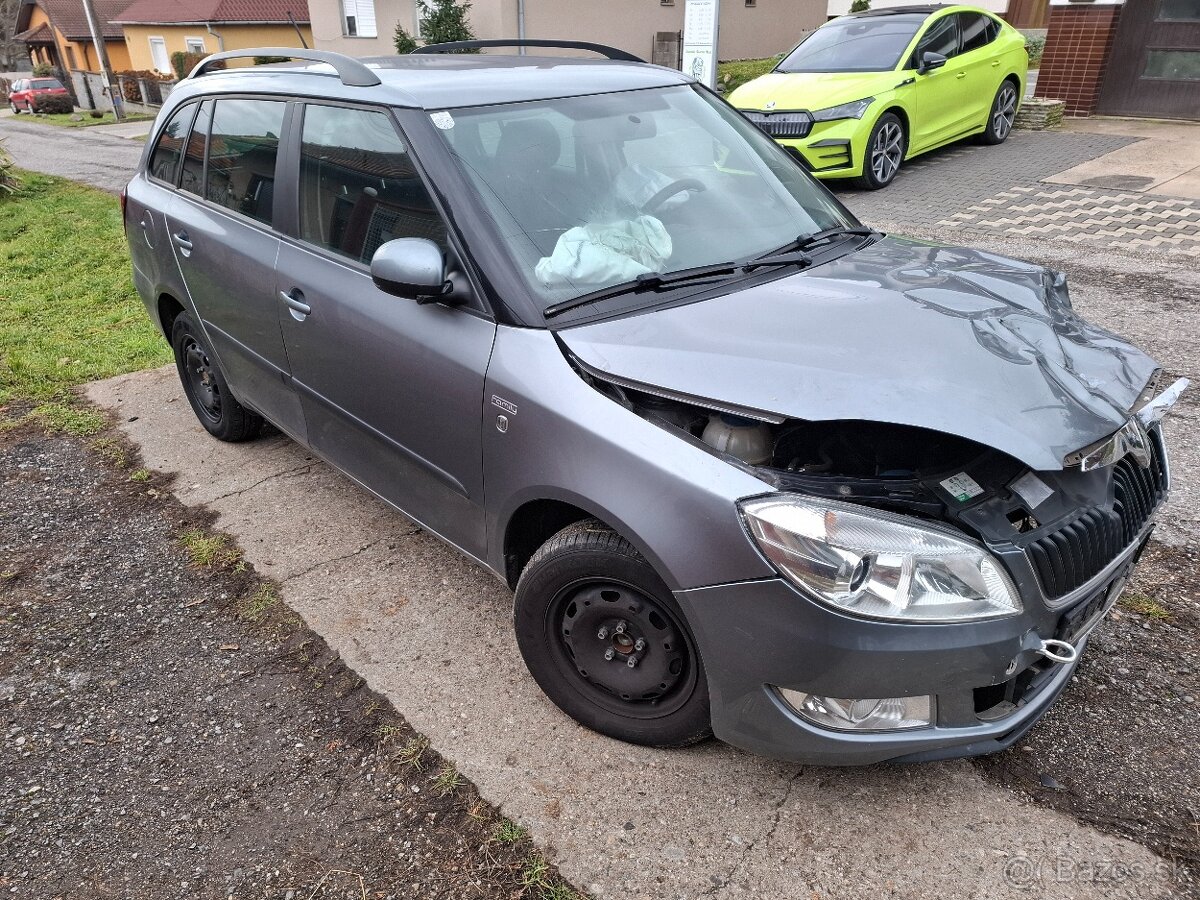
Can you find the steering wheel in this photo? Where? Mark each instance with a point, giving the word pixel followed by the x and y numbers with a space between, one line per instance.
pixel 661 197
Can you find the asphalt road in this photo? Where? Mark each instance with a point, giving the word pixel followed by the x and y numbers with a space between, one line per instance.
pixel 84 154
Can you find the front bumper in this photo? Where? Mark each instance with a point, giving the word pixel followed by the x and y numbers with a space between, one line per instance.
pixel 832 149
pixel 989 682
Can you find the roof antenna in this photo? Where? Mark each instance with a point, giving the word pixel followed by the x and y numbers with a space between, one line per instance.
pixel 299 33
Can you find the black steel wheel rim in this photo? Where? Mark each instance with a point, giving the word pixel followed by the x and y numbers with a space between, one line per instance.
pixel 596 626
pixel 200 380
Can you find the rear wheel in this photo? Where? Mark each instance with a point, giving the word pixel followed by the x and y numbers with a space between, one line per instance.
pixel 603 637
pixel 205 386
pixel 1002 115
pixel 885 152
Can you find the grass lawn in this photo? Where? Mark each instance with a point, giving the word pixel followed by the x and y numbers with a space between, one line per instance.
pixel 64 119
pixel 68 310
pixel 737 72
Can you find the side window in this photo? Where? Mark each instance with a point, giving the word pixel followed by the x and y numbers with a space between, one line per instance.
pixel 164 161
pixel 241 156
pixel 941 37
pixel 192 179
pixel 977 31
pixel 358 185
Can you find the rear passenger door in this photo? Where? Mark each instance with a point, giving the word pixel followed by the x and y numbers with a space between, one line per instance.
pixel 220 232
pixel 392 389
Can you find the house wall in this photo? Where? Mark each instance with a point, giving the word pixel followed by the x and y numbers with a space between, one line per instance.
pixel 235 37
pixel 767 28
pixel 83 53
pixel 1078 45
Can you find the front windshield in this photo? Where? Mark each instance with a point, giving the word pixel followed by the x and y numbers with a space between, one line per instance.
pixel 854 44
pixel 591 192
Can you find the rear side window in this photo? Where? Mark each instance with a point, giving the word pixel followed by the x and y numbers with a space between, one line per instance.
pixel 942 37
pixel 164 161
pixel 243 145
pixel 192 179
pixel 977 31
pixel 358 185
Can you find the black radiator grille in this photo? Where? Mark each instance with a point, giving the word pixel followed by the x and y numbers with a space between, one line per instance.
pixel 1078 551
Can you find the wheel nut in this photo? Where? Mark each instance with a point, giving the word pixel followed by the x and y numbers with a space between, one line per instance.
pixel 620 629
pixel 632 663
pixel 602 633
pixel 609 653
pixel 640 644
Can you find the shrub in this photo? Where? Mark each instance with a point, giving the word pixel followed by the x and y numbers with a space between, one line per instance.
pixel 9 182
pixel 53 103
pixel 860 6
pixel 183 63
pixel 5 87
pixel 43 70
pixel 1035 44
pixel 268 60
pixel 96 114
pixel 404 41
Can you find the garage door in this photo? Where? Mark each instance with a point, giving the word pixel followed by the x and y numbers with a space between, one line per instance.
pixel 1154 69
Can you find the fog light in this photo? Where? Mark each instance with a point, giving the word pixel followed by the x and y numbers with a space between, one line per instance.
pixel 887 714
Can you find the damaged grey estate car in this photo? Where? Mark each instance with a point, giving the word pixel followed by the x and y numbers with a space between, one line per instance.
pixel 752 469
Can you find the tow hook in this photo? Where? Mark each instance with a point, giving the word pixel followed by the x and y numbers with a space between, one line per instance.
pixel 1058 651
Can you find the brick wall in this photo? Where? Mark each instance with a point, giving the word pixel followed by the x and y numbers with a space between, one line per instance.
pixel 1078 41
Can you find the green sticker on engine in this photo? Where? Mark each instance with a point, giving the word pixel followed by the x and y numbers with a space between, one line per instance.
pixel 962 487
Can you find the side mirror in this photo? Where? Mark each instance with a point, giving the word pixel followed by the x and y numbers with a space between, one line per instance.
pixel 410 267
pixel 930 61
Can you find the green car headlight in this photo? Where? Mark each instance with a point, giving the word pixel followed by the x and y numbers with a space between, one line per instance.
pixel 852 110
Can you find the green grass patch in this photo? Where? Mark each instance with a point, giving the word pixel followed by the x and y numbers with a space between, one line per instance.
pixel 255 607
pixel 1145 606
pixel 447 780
pixel 64 120
pixel 68 310
pixel 509 832
pixel 60 417
pixel 209 549
pixel 734 73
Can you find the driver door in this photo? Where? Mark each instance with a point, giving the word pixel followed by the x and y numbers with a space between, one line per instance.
pixel 392 390
pixel 940 93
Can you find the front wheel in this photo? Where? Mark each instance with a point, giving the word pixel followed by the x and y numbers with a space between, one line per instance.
pixel 13 106
pixel 1002 115
pixel 603 637
pixel 885 151
pixel 205 386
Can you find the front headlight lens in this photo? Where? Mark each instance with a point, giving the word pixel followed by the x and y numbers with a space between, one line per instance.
pixel 877 565
pixel 852 110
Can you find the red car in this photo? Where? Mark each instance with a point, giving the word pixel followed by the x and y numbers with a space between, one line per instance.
pixel 24 90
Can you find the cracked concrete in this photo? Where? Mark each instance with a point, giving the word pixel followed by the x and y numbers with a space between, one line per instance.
pixel 433 632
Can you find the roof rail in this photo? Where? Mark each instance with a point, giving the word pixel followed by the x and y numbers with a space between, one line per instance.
pixel 349 70
pixel 609 52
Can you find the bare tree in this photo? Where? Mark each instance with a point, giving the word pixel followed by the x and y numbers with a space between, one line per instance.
pixel 12 53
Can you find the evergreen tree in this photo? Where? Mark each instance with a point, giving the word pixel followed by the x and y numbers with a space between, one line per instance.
pixel 445 20
pixel 403 40
pixel 860 6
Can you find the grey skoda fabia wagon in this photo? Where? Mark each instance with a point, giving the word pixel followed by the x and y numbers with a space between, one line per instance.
pixel 752 469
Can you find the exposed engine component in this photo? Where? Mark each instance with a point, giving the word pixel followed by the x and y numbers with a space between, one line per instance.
pixel 746 439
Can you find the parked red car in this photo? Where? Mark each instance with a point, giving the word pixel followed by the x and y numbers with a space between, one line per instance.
pixel 24 90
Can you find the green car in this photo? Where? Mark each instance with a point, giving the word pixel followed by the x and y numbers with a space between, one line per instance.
pixel 867 91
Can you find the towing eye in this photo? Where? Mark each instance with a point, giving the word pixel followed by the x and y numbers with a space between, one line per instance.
pixel 1058 651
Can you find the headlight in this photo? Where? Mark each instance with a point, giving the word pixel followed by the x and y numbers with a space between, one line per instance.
pixel 853 110
pixel 877 565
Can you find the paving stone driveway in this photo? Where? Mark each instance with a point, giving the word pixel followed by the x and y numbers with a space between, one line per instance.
pixel 992 190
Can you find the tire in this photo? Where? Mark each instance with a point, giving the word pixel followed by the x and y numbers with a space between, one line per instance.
pixel 572 599
pixel 204 384
pixel 13 106
pixel 885 152
pixel 1001 114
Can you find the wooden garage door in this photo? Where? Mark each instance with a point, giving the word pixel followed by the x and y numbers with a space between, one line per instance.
pixel 1154 69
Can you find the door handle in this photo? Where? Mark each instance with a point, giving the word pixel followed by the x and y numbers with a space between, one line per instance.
pixel 295 302
pixel 961 75
pixel 182 241
pixel 995 62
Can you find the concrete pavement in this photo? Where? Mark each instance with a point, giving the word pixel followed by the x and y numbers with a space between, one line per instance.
pixel 433 633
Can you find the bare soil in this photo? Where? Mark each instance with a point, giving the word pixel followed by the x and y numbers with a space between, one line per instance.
pixel 169 731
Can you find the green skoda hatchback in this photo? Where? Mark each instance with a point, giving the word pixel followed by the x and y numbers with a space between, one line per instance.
pixel 865 92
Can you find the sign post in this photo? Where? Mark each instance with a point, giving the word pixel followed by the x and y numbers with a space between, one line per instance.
pixel 701 22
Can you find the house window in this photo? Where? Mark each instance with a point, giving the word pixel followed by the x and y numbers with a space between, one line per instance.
pixel 752 2
pixel 195 45
pixel 667 2
pixel 358 18
pixel 158 54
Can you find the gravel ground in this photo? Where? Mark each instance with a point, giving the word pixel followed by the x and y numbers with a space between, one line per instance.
pixel 169 732
pixel 1118 749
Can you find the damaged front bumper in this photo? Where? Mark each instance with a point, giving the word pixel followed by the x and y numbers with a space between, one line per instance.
pixel 990 681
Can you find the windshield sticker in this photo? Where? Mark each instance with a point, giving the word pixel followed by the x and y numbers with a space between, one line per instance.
pixel 962 487
pixel 1031 489
pixel 442 120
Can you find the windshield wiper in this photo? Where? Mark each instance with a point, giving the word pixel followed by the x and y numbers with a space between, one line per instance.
pixel 653 281
pixel 828 234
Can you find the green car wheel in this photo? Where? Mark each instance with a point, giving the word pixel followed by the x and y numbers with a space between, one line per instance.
pixel 885 151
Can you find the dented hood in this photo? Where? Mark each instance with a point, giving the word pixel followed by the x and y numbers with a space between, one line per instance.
pixel 905 332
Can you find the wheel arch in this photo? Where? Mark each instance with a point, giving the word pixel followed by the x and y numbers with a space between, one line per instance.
pixel 168 309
